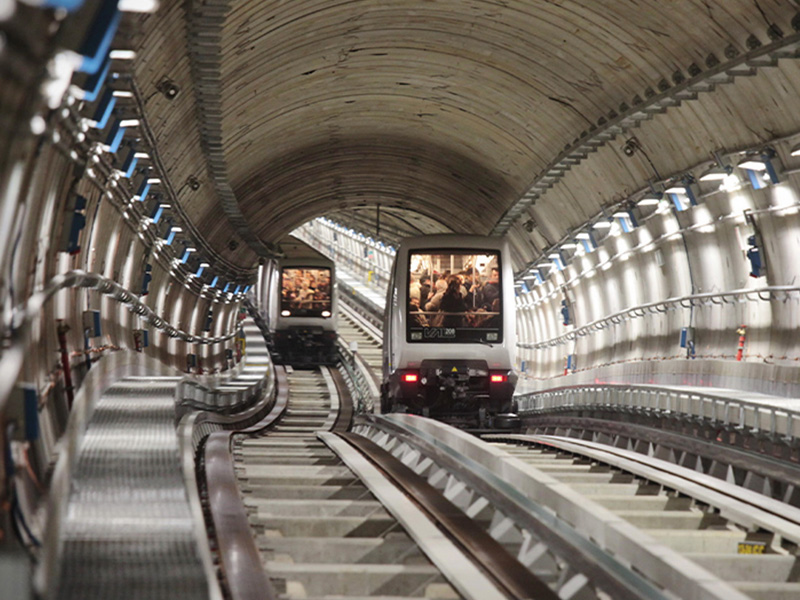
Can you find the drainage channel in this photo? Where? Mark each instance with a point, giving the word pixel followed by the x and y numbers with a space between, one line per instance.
pixel 329 524
pixel 745 539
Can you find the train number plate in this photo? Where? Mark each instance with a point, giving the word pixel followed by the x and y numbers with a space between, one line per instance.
pixel 752 547
pixel 440 332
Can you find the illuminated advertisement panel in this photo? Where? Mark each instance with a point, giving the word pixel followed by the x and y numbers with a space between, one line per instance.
pixel 305 292
pixel 455 296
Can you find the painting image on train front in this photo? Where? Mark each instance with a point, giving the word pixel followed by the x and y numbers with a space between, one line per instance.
pixel 305 292
pixel 455 296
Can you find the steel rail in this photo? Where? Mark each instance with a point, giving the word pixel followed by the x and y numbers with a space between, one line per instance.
pixel 662 306
pixel 21 321
pixel 240 562
pixel 212 467
pixel 369 323
pixel 676 445
pixel 653 469
pixel 499 487
pixel 777 421
pixel 485 551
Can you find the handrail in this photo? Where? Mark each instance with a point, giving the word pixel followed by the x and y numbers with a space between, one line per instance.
pixel 777 420
pixel 365 390
pixel 258 319
pixel 23 317
pixel 662 306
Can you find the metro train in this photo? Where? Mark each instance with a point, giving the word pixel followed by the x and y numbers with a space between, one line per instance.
pixel 449 331
pixel 302 306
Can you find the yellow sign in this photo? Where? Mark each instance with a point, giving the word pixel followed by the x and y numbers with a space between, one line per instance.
pixel 751 547
pixel 455 370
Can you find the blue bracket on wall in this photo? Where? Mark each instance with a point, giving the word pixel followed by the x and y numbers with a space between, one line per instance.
pixel 97 44
pixel 68 5
pixel 75 225
pixel 565 314
pixel 129 162
pixel 144 188
pixel 92 84
pixel 147 277
pixel 105 107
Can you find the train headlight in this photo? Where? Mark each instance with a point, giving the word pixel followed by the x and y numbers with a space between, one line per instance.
pixel 286 313
pixel 326 314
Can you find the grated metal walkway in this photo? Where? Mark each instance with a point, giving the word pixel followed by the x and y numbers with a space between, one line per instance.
pixel 128 532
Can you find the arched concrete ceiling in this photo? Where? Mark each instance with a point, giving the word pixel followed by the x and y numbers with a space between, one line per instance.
pixel 443 109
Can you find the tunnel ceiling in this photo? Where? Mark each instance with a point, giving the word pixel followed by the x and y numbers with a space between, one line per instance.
pixel 443 112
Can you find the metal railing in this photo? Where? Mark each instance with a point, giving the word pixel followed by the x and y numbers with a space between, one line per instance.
pixel 19 326
pixel 758 417
pixel 359 379
pixel 360 305
pixel 733 297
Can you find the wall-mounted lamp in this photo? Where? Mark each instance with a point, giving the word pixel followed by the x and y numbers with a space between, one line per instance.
pixel 129 161
pixel 588 240
pixel 173 231
pixel 795 151
pixel 627 219
pixel 650 199
pixel 120 54
pixel 760 168
pixel 534 275
pixel 140 6
pixel 142 190
pixel 716 173
pixel 158 211
pixel 186 253
pixel 682 193
pixel 558 258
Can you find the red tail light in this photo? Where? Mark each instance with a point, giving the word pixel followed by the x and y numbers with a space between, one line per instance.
pixel 498 378
pixel 410 377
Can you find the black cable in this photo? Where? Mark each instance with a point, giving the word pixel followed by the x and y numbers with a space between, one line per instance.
pixel 16 510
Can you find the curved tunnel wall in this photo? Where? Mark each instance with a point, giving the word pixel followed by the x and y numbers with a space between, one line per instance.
pixel 482 140
pixel 701 250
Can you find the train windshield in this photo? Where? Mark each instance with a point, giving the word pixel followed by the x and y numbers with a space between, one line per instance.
pixel 455 296
pixel 305 292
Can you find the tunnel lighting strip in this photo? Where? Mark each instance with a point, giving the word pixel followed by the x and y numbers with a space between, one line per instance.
pixel 653 308
pixel 529 271
pixel 233 271
pixel 744 65
pixel 23 317
pixel 777 420
pixel 102 177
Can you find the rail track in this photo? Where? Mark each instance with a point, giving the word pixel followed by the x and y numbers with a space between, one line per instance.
pixel 320 529
pixel 747 540
pixel 333 519
pixel 369 340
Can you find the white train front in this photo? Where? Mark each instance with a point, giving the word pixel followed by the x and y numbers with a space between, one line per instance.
pixel 303 306
pixel 449 329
